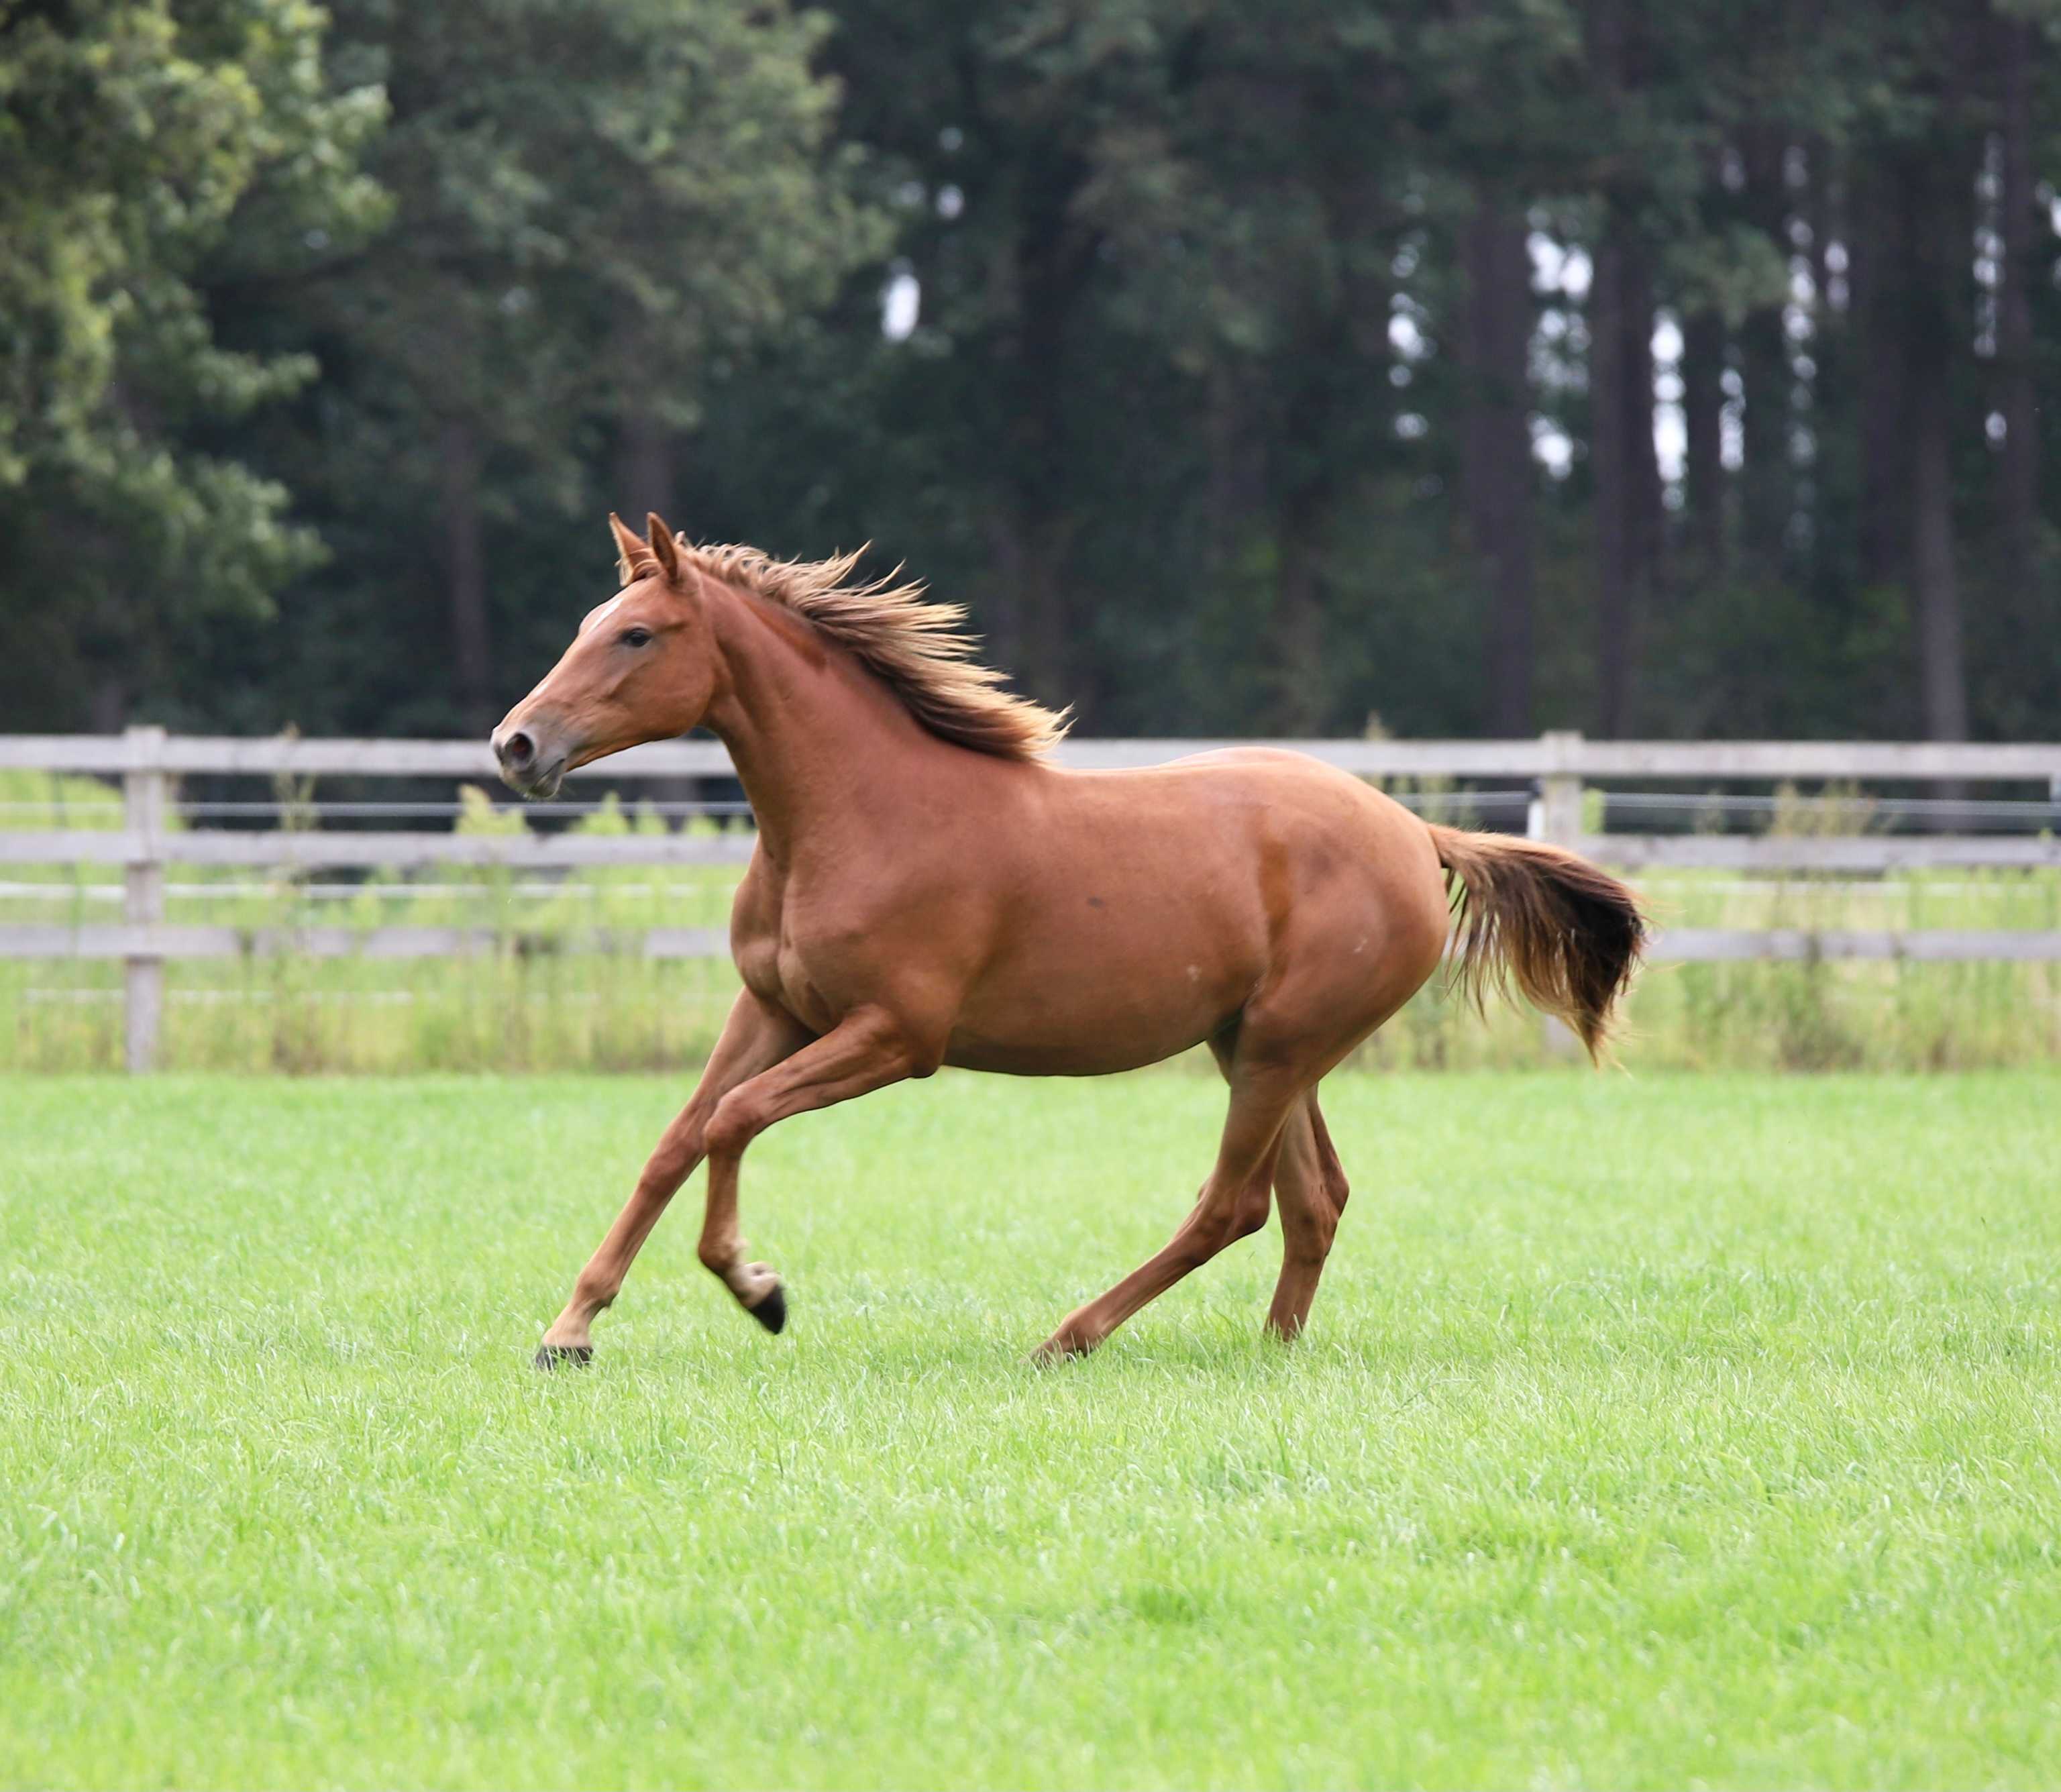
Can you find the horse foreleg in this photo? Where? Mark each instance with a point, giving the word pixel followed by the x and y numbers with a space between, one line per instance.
pixel 867 1051
pixel 1232 1205
pixel 756 1036
pixel 1309 1183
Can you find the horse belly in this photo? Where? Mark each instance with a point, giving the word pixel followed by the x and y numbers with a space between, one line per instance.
pixel 1101 993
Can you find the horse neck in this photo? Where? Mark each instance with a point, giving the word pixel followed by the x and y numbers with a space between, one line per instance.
pixel 815 737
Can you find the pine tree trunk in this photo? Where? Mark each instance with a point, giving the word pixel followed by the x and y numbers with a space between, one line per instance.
pixel 1626 472
pixel 1819 216
pixel 1835 406
pixel 645 474
pixel 1703 417
pixel 1236 453
pixel 1941 677
pixel 1031 642
pixel 647 464
pixel 465 568
pixel 1496 451
pixel 2021 229
pixel 1608 377
pixel 1054 256
pixel 1939 227
pixel 108 707
pixel 1648 513
pixel 1625 468
pixel 1298 628
pixel 1880 277
pixel 1303 491
pixel 1767 479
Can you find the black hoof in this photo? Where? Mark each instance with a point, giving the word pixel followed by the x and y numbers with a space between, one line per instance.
pixel 771 1312
pixel 549 1356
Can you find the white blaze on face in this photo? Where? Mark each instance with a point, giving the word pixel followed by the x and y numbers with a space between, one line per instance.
pixel 603 612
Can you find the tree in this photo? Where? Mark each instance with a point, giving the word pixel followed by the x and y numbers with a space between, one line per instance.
pixel 2016 46
pixel 147 144
pixel 1220 385
pixel 1496 448
pixel 591 204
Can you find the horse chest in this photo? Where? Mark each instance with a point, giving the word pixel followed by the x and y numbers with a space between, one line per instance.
pixel 777 966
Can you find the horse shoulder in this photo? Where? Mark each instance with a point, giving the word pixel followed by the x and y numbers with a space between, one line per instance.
pixel 755 926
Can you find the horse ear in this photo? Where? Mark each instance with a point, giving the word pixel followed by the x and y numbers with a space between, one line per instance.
pixel 634 559
pixel 665 550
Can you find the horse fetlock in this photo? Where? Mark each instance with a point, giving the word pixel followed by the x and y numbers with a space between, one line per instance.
pixel 569 1330
pixel 1072 1339
pixel 756 1287
pixel 751 1283
pixel 594 1293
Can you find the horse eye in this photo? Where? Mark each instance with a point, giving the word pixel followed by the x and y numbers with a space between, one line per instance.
pixel 636 637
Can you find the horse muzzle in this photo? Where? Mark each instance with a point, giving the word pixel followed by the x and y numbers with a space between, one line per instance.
pixel 533 760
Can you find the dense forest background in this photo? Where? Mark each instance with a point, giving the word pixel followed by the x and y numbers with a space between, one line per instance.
pixel 1478 365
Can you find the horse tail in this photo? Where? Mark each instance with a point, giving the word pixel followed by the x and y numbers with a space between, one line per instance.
pixel 1569 935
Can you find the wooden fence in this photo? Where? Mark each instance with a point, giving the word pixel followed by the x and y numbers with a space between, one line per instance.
pixel 1557 767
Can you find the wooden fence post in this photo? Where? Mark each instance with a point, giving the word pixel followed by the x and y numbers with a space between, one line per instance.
pixel 1560 818
pixel 1560 792
pixel 145 789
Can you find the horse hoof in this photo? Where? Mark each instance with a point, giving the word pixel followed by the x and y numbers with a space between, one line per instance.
pixel 549 1356
pixel 772 1311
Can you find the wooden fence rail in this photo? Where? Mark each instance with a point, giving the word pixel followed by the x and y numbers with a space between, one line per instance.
pixel 163 940
pixel 294 850
pixel 1557 754
pixel 148 760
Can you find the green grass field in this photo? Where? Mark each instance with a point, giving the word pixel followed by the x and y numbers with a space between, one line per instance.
pixel 1651 1430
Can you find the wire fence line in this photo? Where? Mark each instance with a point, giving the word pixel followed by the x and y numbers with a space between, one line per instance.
pixel 1981 814
pixel 148 829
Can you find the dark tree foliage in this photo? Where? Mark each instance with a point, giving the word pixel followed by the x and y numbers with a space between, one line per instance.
pixel 1465 365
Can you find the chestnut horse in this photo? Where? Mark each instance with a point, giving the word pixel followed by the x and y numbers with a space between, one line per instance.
pixel 928 888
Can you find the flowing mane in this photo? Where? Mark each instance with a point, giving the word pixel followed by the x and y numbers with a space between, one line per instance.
pixel 913 645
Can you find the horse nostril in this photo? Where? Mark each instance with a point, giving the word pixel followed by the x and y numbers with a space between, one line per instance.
pixel 517 750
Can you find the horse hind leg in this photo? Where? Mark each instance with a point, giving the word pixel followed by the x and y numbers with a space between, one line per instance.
pixel 1310 1186
pixel 1232 1205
